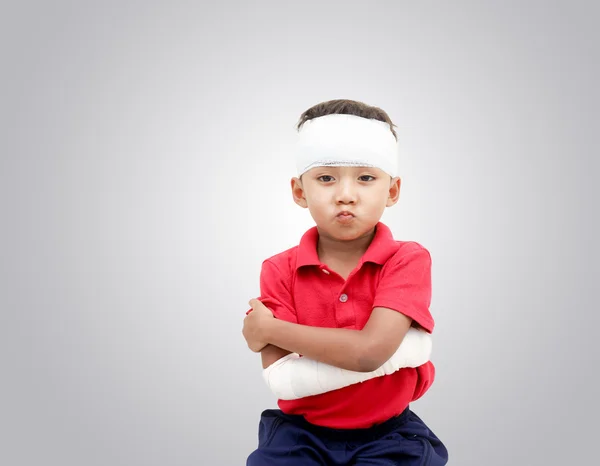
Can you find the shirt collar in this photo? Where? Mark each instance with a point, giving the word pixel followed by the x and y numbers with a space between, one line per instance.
pixel 379 251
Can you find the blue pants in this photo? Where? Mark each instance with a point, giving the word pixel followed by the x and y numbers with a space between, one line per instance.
pixel 289 440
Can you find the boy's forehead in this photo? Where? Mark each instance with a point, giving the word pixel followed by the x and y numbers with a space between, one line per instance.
pixel 341 140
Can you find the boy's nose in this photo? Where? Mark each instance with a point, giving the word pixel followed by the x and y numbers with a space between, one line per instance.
pixel 346 194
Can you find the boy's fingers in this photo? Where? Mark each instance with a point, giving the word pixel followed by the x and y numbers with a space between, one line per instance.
pixel 254 302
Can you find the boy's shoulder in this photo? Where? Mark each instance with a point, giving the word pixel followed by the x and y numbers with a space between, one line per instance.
pixel 405 251
pixel 409 246
pixel 284 260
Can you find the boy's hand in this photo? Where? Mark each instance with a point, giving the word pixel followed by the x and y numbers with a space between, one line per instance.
pixel 254 324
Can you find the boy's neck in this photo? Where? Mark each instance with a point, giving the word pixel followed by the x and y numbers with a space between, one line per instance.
pixel 343 251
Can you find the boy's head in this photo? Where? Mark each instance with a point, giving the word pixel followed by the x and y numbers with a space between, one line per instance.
pixel 346 157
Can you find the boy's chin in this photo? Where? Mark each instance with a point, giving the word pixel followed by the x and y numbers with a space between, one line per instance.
pixel 347 233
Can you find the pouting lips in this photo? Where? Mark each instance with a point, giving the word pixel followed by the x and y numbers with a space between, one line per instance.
pixel 345 217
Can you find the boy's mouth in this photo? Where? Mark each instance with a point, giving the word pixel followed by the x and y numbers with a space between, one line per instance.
pixel 345 216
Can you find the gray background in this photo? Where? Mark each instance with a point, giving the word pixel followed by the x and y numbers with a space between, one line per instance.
pixel 144 176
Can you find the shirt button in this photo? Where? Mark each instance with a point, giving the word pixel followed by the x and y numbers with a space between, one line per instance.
pixel 344 298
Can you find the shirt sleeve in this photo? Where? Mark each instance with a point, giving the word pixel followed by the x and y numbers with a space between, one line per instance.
pixel 276 293
pixel 405 285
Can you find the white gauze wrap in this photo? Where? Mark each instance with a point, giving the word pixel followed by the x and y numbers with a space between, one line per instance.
pixel 346 140
pixel 293 377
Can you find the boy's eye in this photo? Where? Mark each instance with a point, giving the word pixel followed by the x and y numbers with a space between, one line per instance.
pixel 366 178
pixel 325 178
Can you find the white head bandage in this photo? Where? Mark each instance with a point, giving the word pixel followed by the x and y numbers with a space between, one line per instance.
pixel 340 140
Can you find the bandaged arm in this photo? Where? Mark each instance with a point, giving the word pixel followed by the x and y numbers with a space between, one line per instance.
pixel 293 376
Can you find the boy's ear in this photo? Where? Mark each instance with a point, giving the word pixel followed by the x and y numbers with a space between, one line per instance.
pixel 394 192
pixel 298 192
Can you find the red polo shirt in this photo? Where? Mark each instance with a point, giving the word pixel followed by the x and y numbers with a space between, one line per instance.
pixel 298 288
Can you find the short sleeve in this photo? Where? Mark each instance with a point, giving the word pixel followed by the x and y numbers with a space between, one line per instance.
pixel 275 292
pixel 405 285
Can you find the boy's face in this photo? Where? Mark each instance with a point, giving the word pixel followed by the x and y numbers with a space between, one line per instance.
pixel 345 202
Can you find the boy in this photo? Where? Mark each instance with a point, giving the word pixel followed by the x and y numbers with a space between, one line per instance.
pixel 345 299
